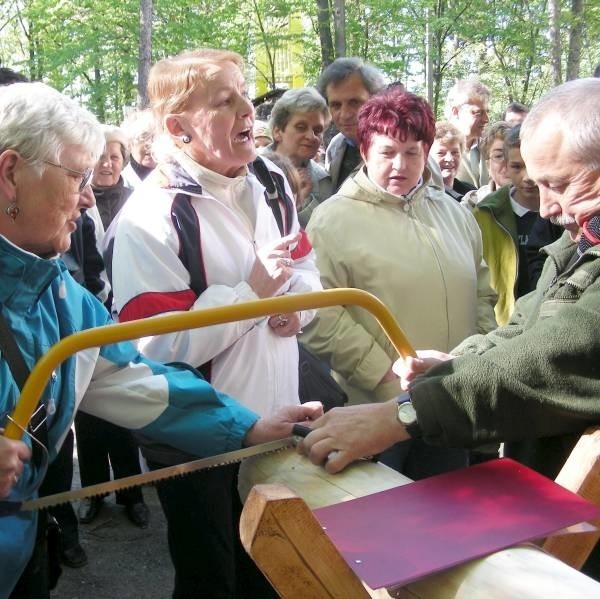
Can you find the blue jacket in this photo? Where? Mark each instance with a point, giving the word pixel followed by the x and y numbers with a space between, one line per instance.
pixel 170 404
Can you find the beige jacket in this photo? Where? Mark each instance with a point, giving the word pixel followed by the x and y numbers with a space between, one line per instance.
pixel 422 256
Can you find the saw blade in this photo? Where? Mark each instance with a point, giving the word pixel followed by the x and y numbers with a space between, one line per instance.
pixel 146 478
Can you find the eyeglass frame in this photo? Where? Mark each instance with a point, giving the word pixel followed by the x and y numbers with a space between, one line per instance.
pixel 498 158
pixel 86 175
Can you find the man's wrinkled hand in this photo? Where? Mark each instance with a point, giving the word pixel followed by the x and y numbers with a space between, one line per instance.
pixel 344 435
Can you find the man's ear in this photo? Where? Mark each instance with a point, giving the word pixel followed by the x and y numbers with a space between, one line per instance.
pixel 9 163
pixel 174 126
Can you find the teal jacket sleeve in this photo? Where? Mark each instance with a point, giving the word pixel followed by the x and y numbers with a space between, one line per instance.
pixel 171 404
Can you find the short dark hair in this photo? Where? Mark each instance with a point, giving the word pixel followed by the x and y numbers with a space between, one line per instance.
pixel 8 77
pixel 342 68
pixel 512 139
pixel 515 107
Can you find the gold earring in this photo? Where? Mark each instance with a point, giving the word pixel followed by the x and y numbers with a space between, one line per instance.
pixel 12 210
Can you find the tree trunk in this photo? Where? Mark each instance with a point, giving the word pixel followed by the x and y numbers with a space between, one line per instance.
pixel 575 40
pixel 429 57
pixel 324 22
pixel 145 57
pixel 339 23
pixel 269 53
pixel 554 12
pixel 97 96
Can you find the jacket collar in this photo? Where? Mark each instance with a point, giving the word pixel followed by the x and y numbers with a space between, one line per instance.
pixel 498 205
pixel 176 177
pixel 25 276
pixel 361 187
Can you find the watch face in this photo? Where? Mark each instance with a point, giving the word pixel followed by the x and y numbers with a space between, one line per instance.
pixel 406 413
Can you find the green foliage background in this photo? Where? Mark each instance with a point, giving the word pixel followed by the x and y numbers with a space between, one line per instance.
pixel 89 48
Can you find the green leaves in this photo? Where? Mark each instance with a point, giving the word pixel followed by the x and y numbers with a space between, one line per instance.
pixel 89 48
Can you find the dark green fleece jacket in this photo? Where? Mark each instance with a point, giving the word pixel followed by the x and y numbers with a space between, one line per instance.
pixel 537 376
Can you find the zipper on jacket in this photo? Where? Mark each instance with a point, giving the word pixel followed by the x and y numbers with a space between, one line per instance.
pixel 516 283
pixel 437 260
pixel 51 405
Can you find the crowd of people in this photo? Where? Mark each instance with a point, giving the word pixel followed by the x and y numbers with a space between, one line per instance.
pixel 481 238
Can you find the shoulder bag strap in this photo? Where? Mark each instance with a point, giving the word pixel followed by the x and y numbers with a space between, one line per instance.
pixel 20 371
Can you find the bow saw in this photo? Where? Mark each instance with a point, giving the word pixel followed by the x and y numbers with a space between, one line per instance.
pixel 158 325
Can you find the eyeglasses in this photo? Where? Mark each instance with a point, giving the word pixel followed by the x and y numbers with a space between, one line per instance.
pixel 86 175
pixel 476 111
pixel 497 157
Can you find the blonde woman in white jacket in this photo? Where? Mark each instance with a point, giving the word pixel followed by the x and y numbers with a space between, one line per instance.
pixel 202 109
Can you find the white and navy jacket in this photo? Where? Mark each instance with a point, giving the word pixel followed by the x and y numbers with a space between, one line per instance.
pixel 248 360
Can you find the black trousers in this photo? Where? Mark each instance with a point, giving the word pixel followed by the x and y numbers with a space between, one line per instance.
pixel 101 445
pixel 43 568
pixel 203 511
pixel 59 478
pixel 417 460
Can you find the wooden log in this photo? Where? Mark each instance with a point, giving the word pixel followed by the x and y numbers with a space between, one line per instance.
pixel 580 474
pixel 523 571
pixel 313 483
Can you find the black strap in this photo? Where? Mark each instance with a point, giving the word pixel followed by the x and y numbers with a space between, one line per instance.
pixel 20 371
pixel 185 221
pixel 274 194
pixel 12 354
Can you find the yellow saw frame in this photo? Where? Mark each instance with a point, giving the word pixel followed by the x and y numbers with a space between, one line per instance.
pixel 158 325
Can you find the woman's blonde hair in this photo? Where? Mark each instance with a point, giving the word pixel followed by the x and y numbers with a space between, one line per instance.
pixel 172 80
pixel 447 133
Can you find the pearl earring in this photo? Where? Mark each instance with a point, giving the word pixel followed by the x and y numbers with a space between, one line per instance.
pixel 185 138
pixel 12 210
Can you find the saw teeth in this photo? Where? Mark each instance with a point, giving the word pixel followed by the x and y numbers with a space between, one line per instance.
pixel 155 476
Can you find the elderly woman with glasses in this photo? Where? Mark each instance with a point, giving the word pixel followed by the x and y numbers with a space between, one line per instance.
pixel 108 184
pixel 47 145
pixel 387 231
pixel 298 120
pixel 204 230
pixel 492 149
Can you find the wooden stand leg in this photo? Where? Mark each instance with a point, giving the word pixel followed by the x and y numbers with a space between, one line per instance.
pixel 285 540
pixel 580 474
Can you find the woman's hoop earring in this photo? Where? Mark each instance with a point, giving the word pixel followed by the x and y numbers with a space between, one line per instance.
pixel 185 138
pixel 12 210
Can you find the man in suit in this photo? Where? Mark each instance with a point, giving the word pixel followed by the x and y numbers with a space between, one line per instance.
pixel 346 84
pixel 467 107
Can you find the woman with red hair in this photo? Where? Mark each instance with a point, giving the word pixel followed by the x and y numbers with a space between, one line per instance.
pixel 388 232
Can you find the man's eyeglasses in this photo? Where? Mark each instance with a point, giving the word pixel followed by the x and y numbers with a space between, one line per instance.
pixel 86 175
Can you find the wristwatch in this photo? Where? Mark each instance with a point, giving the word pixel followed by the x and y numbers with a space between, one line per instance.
pixel 407 416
